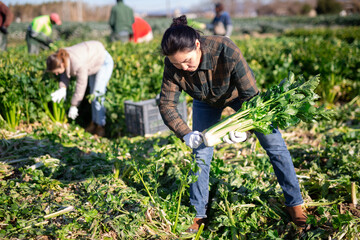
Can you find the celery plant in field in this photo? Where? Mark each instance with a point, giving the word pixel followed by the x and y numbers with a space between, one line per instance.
pixel 57 111
pixel 10 108
pixel 12 113
pixel 185 179
pixel 281 106
pixel 10 104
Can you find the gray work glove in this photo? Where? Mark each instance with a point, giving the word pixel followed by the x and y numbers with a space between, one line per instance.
pixel 235 137
pixel 193 139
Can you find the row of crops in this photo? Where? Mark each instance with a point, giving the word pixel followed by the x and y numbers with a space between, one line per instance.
pixel 86 30
pixel 336 59
pixel 59 182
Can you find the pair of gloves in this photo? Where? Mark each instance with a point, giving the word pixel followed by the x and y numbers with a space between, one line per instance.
pixel 195 138
pixel 59 95
pixel 4 30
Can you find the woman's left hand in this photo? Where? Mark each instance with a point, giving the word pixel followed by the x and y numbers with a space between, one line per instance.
pixel 235 137
pixel 73 112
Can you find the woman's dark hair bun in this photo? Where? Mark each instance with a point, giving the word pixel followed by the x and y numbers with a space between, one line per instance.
pixel 179 21
pixel 179 37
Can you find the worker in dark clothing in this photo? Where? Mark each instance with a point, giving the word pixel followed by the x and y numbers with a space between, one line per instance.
pixel 6 17
pixel 121 20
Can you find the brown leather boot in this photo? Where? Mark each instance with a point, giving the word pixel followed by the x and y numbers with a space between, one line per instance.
pixel 100 131
pixel 194 228
pixel 297 215
pixel 91 127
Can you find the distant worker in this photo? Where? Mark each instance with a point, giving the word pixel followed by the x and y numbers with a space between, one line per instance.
pixel 92 65
pixel 6 17
pixel 39 32
pixel 121 21
pixel 142 31
pixel 221 24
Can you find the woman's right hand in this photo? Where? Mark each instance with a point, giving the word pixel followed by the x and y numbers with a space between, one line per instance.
pixel 59 95
pixel 193 139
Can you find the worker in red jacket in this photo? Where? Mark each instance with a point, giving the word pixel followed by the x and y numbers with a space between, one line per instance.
pixel 6 18
pixel 142 31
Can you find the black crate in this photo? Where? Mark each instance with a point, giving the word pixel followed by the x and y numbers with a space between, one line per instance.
pixel 143 118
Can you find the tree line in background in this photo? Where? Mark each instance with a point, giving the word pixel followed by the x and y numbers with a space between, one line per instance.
pixel 295 7
pixel 68 11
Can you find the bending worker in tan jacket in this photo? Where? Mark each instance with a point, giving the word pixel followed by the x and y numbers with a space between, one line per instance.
pixel 88 62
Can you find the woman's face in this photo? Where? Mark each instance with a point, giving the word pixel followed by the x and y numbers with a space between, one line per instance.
pixel 59 70
pixel 187 60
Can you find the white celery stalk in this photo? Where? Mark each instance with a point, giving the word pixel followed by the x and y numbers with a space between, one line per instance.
pixel 236 121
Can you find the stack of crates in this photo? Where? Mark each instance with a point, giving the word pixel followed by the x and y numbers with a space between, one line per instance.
pixel 143 118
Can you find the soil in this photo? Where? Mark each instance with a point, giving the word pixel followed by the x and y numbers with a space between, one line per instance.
pixel 354 210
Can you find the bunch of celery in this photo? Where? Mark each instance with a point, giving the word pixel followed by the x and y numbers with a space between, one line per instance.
pixel 281 106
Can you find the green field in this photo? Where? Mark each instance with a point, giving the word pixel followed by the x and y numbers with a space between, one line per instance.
pixel 132 187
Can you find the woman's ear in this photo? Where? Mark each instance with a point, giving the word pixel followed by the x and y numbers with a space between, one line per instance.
pixel 197 44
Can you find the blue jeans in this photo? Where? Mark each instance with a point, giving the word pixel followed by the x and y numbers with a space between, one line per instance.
pixel 97 84
pixel 205 116
pixel 122 36
pixel 3 41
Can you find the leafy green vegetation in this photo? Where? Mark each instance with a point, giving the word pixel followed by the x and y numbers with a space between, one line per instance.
pixel 281 106
pixel 54 168
pixel 59 182
pixel 271 59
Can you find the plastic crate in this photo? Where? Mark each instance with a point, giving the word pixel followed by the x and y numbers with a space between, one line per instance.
pixel 143 118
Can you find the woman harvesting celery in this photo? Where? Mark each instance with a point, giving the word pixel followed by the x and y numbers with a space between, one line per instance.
pixel 213 71
pixel 92 65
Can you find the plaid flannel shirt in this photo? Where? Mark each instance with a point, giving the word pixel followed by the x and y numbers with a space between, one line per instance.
pixel 222 76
